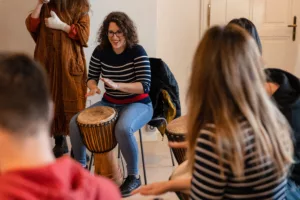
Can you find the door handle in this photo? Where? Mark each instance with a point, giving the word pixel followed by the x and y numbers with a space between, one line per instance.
pixel 294 26
pixel 208 13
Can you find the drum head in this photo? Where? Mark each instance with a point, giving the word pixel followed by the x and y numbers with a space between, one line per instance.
pixel 96 115
pixel 178 126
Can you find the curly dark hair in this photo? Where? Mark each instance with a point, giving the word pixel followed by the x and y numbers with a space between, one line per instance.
pixel 124 23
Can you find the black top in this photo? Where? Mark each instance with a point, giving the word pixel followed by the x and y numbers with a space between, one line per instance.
pixel 287 98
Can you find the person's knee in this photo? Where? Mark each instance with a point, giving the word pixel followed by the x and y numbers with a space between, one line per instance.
pixel 73 124
pixel 73 119
pixel 123 129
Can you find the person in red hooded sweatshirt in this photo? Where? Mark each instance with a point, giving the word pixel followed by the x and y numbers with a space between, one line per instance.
pixel 28 169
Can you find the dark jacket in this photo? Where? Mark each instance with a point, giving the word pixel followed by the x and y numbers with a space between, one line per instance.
pixel 287 97
pixel 163 79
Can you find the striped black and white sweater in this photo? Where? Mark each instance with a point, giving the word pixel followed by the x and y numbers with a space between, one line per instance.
pixel 260 182
pixel 132 65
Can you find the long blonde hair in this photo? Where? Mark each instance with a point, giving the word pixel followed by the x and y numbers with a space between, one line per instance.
pixel 227 82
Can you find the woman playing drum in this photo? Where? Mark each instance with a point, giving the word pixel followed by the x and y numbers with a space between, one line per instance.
pixel 125 70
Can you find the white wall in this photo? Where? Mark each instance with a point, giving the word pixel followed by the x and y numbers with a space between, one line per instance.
pixel 14 36
pixel 178 32
pixel 13 33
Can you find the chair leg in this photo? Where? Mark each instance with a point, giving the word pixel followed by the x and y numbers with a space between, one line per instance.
pixel 91 161
pixel 71 153
pixel 120 157
pixel 119 151
pixel 142 153
pixel 172 157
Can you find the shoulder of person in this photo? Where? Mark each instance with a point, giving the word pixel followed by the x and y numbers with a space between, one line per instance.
pixel 138 50
pixel 98 52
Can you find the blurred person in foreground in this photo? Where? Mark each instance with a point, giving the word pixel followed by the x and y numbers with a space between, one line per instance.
pixel 28 169
pixel 239 144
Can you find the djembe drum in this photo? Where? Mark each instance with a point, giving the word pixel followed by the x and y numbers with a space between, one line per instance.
pixel 176 131
pixel 97 131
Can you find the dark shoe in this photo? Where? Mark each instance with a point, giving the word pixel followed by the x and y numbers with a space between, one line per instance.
pixel 61 146
pixel 131 183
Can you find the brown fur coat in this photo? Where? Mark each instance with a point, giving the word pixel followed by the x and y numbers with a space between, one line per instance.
pixel 65 64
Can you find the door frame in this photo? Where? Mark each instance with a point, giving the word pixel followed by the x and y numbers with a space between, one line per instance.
pixel 203 16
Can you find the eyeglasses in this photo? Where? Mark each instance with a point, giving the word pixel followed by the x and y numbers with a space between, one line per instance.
pixel 118 33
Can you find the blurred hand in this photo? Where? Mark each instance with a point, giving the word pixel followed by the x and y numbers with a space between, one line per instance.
pixel 93 91
pixel 178 145
pixel 54 22
pixel 153 189
pixel 110 83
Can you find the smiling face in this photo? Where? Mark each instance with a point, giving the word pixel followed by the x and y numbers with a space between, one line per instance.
pixel 116 38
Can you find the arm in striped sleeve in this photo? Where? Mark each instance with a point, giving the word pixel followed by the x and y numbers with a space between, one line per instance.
pixel 142 69
pixel 207 181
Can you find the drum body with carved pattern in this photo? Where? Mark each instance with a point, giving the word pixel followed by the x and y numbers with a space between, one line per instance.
pixel 176 132
pixel 97 131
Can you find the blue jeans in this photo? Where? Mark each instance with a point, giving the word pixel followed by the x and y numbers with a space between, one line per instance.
pixel 293 190
pixel 131 118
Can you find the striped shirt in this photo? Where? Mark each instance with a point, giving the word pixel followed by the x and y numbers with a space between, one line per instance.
pixel 131 66
pixel 258 182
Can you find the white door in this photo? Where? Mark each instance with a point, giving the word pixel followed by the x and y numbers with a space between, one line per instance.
pixel 272 18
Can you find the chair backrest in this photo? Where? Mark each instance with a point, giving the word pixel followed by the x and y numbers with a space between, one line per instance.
pixel 163 79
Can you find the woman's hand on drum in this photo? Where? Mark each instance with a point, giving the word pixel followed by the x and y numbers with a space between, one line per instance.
pixel 110 83
pixel 153 189
pixel 178 145
pixel 93 91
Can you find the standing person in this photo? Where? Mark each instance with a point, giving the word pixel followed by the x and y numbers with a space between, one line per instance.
pixel 28 169
pixel 60 29
pixel 125 70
